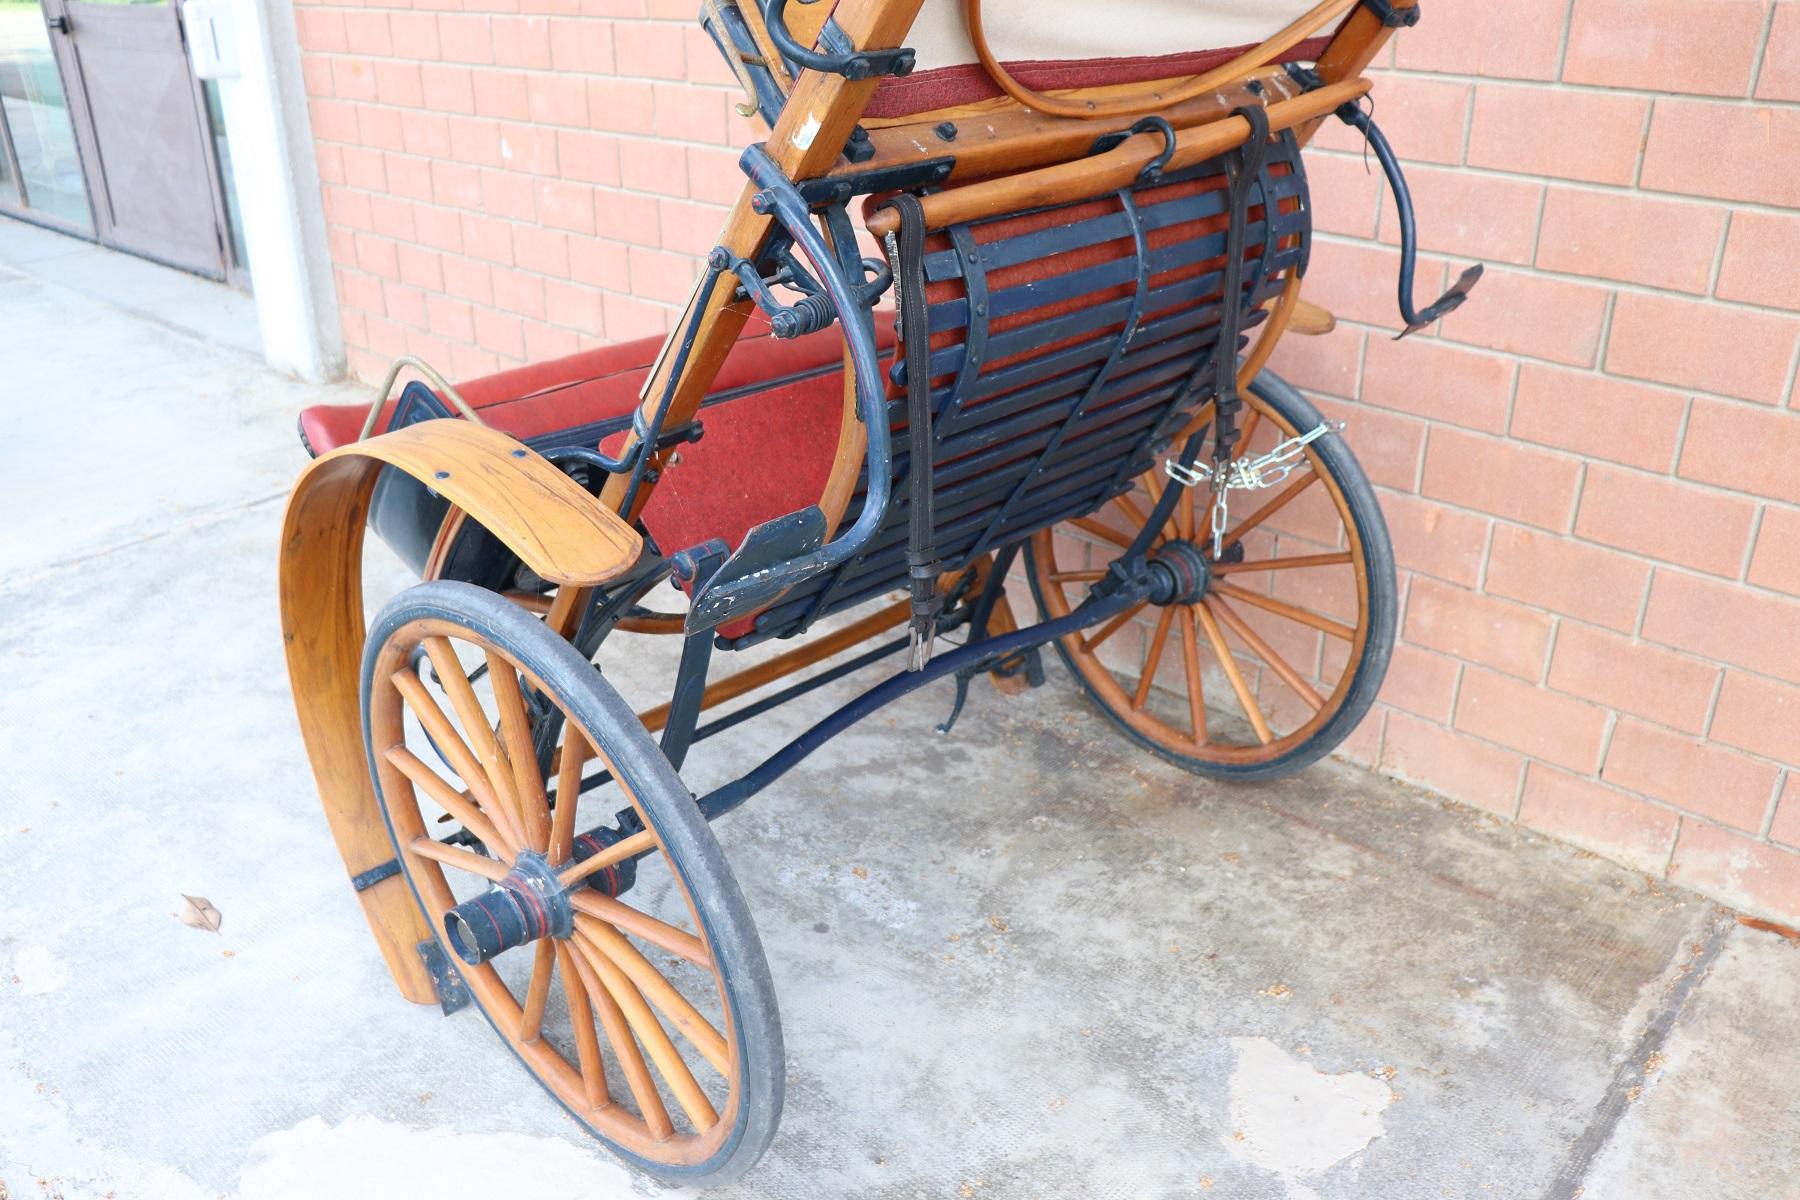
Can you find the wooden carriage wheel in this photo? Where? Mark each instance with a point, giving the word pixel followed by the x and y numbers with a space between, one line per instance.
pixel 633 988
pixel 1274 655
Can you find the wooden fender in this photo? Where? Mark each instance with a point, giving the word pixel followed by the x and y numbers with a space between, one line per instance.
pixel 555 528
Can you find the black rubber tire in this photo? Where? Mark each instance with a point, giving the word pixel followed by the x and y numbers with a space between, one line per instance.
pixel 694 854
pixel 1378 647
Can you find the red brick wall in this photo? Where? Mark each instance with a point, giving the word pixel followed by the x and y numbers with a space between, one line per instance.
pixel 1589 471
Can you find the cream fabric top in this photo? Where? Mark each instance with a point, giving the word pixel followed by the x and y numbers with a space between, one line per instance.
pixel 1022 30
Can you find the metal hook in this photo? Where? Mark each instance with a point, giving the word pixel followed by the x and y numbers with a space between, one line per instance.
pixel 1154 168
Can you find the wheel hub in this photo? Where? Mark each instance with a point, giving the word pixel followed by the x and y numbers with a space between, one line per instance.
pixel 529 903
pixel 1180 573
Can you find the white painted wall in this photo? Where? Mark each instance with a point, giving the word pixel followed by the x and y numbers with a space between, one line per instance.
pixel 277 178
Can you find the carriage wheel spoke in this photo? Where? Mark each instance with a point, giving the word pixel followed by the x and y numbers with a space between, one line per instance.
pixel 462 760
pixel 1184 523
pixel 1101 530
pixel 655 1038
pixel 1153 660
pixel 1281 501
pixel 476 729
pixel 1076 576
pixel 678 942
pixel 1282 608
pixel 515 728
pixel 1264 651
pixel 618 1033
pixel 450 800
pixel 537 992
pixel 576 992
pixel 1236 677
pixel 637 843
pixel 1284 564
pixel 1111 627
pixel 568 794
pixel 659 991
pixel 456 856
pixel 1190 657
pixel 1128 506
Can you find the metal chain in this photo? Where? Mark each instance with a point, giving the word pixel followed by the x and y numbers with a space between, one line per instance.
pixel 1263 471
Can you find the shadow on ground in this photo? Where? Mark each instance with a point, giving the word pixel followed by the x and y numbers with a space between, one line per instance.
pixel 1022 960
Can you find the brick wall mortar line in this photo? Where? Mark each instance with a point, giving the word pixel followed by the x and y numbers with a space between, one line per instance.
pixel 1557 451
pixel 1562 46
pixel 1712 703
pixel 1590 281
pixel 1682 816
pixel 1643 146
pixel 1756 520
pixel 1518 796
pixel 1591 89
pixel 1787 396
pixel 1606 737
pixel 1768 821
pixel 1536 272
pixel 1468 136
pixel 1604 341
pixel 1569 184
pixel 1655 564
pixel 1674 840
pixel 1762 49
pixel 1537 227
pixel 1681 432
pixel 1638 556
pixel 357 56
pixel 1718 266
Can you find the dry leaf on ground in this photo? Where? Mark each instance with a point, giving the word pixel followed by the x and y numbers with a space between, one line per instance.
pixel 199 913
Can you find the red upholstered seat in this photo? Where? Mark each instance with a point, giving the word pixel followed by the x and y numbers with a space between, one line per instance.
pixel 771 425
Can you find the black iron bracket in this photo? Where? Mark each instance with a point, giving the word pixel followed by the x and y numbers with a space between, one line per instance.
pixel 375 875
pixel 814 310
pixel 625 463
pixel 841 57
pixel 839 189
pixel 1392 17
pixel 789 550
pixel 452 993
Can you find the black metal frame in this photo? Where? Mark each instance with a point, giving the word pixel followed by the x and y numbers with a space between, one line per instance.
pixel 781 556
pixel 1080 421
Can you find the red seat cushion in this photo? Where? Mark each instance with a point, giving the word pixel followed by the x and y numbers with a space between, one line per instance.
pixel 771 425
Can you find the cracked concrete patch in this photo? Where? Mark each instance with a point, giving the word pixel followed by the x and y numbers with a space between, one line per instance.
pixel 1289 1117
pixel 363 1156
pixel 45 1152
pixel 37 970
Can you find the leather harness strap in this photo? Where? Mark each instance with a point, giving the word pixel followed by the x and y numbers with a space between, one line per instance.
pixel 1242 170
pixel 915 330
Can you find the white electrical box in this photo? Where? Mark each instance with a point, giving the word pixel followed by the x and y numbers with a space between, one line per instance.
pixel 212 38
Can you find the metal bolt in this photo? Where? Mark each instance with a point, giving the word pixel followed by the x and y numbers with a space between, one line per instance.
pixel 946 131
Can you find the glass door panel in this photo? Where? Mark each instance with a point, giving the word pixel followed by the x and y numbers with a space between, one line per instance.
pixel 37 117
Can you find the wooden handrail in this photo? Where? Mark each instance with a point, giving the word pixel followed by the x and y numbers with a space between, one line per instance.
pixel 1117 168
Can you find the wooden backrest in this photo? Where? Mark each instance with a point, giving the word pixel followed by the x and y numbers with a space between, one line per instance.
pixel 1069 346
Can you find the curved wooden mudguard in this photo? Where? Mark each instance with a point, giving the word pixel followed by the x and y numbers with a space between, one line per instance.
pixel 555 528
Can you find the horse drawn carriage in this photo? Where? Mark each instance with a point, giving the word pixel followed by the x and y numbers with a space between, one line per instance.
pixel 977 329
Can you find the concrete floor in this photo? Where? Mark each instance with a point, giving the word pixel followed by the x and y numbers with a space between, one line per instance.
pixel 1019 961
